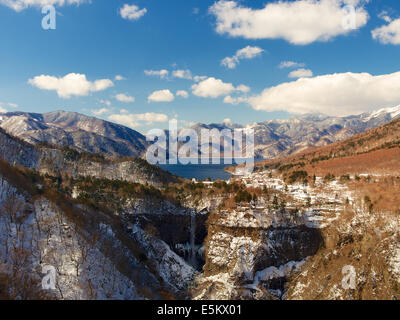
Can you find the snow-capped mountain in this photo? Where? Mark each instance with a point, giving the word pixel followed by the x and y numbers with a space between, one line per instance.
pixel 385 113
pixel 273 138
pixel 74 130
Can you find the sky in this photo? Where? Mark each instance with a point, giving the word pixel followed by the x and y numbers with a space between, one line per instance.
pixel 141 63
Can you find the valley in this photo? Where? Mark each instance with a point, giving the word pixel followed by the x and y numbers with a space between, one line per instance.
pixel 119 228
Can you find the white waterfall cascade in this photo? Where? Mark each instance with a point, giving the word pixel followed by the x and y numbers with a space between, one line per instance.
pixel 192 239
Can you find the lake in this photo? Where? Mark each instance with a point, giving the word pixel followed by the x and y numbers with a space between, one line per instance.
pixel 198 171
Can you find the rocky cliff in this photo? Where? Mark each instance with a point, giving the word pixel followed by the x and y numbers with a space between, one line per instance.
pixel 249 254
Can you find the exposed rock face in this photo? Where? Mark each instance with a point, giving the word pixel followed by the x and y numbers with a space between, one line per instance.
pixel 176 274
pixel 183 229
pixel 250 259
pixel 369 245
pixel 96 256
pixel 36 232
pixel 183 232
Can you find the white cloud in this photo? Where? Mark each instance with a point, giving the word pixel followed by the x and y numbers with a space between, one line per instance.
pixel 159 73
pixel 245 53
pixel 235 100
pixel 214 88
pixel 229 62
pixel 337 94
pixel 227 121
pixel 99 112
pixel 106 102
pixel 161 96
pixel 119 78
pixel 132 12
pixel 384 16
pixel 301 73
pixel 73 84
pixel 100 85
pixel 135 120
pixel 389 34
pixel 182 74
pixel 9 104
pixel 19 5
pixel 243 88
pixel 121 97
pixel 291 64
pixel 249 52
pixel 299 22
pixel 182 93
pixel 199 78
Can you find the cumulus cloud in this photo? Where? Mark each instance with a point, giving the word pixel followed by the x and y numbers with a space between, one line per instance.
pixel 245 53
pixel 388 34
pixel 299 22
pixel 99 112
pixel 100 85
pixel 182 74
pixel 161 96
pixel 132 12
pixel 199 78
pixel 135 120
pixel 158 73
pixel 182 93
pixel 2 109
pixel 243 88
pixel 214 88
pixel 338 94
pixel 301 73
pixel 106 102
pixel 19 5
pixel 121 97
pixel 235 100
pixel 73 84
pixel 291 64
pixel 385 16
pixel 119 78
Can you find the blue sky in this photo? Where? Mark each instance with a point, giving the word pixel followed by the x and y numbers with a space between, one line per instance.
pixel 337 68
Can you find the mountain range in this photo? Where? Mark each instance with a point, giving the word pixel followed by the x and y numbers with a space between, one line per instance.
pixel 74 130
pixel 276 138
pixel 273 138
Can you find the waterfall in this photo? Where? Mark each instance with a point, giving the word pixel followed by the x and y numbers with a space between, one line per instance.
pixel 193 238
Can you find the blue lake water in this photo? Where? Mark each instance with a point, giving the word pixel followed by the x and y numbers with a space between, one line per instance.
pixel 198 171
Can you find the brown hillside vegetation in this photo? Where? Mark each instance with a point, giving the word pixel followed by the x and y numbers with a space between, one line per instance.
pixel 365 236
pixel 376 151
pixel 369 163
